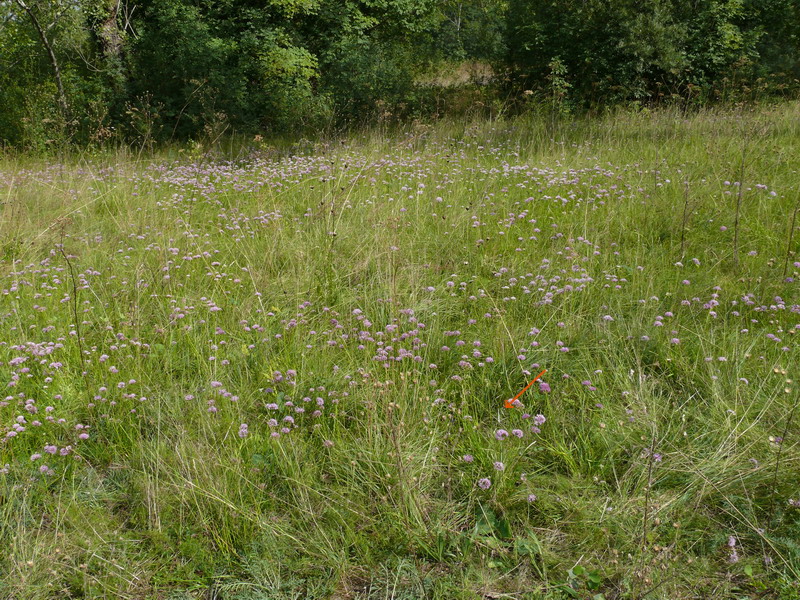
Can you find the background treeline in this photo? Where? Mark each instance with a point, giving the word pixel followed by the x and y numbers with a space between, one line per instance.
pixel 143 71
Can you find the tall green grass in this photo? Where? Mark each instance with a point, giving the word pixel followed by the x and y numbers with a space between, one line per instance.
pixel 639 484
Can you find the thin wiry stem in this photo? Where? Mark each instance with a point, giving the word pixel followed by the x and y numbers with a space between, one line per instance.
pixel 685 216
pixel 778 457
pixel 647 490
pixel 791 235
pixel 736 221
pixel 74 304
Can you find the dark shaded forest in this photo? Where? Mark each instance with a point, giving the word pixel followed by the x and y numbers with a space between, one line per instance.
pixel 99 72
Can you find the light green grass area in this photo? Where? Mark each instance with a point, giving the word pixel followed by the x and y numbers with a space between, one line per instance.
pixel 283 376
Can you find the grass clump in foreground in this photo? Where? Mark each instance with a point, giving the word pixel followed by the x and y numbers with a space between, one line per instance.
pixel 284 377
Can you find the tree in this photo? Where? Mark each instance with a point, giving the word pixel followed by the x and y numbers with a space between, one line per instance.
pixel 34 12
pixel 630 49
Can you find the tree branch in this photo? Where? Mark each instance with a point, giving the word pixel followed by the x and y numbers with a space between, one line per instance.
pixel 62 96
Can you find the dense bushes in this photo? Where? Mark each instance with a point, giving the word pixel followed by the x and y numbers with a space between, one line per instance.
pixel 92 71
pixel 654 49
pixel 182 68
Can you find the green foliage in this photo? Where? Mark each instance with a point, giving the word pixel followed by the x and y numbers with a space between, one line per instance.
pixel 653 50
pixel 472 30
pixel 202 69
pixel 281 67
pixel 582 583
pixel 205 70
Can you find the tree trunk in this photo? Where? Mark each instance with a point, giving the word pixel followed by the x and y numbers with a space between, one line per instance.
pixel 62 96
pixel 108 31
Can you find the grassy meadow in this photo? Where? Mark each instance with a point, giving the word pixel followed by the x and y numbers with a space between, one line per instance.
pixel 283 375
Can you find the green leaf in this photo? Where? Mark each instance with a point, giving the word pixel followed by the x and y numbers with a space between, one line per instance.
pixel 569 591
pixel 527 546
pixel 484 520
pixel 502 528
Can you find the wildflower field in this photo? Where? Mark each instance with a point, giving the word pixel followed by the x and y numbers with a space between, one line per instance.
pixel 283 376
